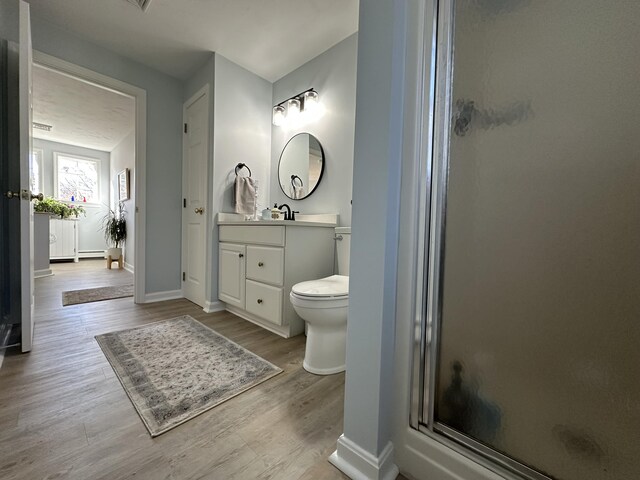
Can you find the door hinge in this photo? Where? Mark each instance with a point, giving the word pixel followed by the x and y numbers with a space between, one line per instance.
pixel 184 203
pixel 185 128
pixel 184 276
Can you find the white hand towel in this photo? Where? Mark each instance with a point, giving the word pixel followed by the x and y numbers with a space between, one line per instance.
pixel 245 192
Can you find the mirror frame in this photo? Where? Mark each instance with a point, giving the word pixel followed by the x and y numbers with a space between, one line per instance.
pixel 321 170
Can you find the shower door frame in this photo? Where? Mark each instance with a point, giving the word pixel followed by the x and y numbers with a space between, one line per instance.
pixel 431 254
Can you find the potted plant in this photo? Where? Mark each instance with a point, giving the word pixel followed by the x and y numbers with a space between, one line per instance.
pixel 55 207
pixel 114 226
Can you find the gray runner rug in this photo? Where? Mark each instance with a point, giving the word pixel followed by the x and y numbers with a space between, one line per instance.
pixel 176 369
pixel 74 297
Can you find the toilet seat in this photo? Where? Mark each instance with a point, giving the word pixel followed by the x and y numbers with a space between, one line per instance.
pixel 335 286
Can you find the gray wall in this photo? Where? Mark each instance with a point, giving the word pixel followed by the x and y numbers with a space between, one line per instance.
pixel 9 19
pixel 242 119
pixel 376 190
pixel 333 75
pixel 123 156
pixel 90 235
pixel 240 131
pixel 164 144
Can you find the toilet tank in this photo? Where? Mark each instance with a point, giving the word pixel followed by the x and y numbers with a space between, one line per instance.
pixel 342 249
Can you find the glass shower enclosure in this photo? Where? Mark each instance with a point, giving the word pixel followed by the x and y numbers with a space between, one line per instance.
pixel 530 338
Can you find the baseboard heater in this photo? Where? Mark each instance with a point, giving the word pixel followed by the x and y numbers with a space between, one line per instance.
pixel 91 254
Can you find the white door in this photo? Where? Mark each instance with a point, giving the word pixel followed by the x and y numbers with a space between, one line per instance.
pixel 26 208
pixel 194 192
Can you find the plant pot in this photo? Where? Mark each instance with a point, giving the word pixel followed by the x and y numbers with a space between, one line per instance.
pixel 114 253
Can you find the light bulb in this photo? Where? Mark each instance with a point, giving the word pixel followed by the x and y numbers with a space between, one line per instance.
pixel 293 109
pixel 278 115
pixel 311 101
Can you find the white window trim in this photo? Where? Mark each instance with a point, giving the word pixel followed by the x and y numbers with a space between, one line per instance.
pixel 40 152
pixel 77 157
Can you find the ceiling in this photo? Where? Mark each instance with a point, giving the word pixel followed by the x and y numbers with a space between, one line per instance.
pixel 80 113
pixel 270 38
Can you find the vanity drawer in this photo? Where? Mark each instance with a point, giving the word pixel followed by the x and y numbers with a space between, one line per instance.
pixel 265 264
pixel 264 301
pixel 256 234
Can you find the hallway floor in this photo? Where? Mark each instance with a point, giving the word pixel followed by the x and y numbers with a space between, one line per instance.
pixel 64 415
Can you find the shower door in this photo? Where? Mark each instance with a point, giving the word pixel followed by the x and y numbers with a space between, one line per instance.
pixel 531 334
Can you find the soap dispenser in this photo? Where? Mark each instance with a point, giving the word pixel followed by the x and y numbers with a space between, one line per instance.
pixel 276 214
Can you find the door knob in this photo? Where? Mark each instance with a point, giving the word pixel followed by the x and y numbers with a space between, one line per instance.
pixel 240 255
pixel 260 264
pixel 25 195
pixel 259 300
pixel 10 194
pixel 199 210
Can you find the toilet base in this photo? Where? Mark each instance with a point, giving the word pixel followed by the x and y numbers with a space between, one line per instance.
pixel 325 351
pixel 323 371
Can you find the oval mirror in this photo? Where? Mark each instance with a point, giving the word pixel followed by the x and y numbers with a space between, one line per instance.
pixel 301 166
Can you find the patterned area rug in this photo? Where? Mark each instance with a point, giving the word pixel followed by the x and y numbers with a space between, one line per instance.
pixel 177 369
pixel 74 297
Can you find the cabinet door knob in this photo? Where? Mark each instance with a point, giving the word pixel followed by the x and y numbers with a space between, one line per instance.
pixel 260 264
pixel 259 300
pixel 240 255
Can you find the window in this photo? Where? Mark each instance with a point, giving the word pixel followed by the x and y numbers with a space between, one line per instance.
pixel 36 171
pixel 76 179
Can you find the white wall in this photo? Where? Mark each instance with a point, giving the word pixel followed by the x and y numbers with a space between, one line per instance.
pixel 90 236
pixel 333 75
pixel 123 156
pixel 163 149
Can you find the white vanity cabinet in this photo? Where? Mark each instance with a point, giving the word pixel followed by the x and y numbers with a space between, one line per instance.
pixel 63 239
pixel 259 262
pixel 231 283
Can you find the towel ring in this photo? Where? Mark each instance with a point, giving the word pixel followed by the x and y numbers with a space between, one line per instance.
pixel 240 166
pixel 294 178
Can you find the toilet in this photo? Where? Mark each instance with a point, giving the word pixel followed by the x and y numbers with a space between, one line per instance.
pixel 323 305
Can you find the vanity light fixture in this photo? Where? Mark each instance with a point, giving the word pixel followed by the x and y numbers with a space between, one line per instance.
pixel 290 109
pixel 278 115
pixel 293 109
pixel 310 101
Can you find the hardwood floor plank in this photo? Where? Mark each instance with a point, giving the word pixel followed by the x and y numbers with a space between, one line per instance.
pixel 64 414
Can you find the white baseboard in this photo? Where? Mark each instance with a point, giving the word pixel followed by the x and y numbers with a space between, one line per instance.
pixel 128 267
pixel 358 464
pixel 162 296
pixel 210 307
pixel 42 273
pixel 92 254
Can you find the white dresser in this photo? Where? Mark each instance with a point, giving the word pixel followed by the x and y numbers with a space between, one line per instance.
pixel 63 239
pixel 259 262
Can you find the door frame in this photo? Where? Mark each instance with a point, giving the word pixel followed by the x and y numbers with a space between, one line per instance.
pixel 208 217
pixel 140 97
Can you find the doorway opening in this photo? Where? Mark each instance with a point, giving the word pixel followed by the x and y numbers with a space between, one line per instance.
pixel 89 148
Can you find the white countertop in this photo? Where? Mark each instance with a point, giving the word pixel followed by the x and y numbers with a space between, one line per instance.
pixel 323 220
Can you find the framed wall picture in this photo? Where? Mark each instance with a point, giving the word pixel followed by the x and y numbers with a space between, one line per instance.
pixel 123 185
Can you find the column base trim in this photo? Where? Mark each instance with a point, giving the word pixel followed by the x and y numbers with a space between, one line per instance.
pixel 358 464
pixel 210 307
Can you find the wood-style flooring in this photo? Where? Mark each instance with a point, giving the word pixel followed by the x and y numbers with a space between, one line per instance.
pixel 64 415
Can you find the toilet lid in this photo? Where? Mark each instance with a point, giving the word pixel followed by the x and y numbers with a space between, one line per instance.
pixel 333 286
